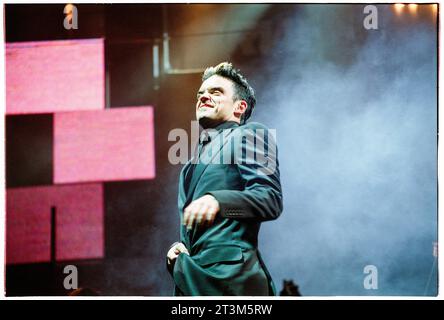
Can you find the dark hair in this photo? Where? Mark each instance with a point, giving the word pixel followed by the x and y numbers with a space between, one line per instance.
pixel 242 90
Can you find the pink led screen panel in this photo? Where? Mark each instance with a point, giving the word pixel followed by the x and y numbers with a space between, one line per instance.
pixel 50 76
pixel 79 223
pixel 110 145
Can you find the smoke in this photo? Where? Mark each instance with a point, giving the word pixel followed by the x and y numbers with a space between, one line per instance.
pixel 356 117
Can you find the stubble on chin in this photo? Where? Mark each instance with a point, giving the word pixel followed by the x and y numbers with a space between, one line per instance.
pixel 206 121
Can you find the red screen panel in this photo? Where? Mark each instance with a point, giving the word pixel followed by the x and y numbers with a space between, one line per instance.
pixel 110 145
pixel 50 76
pixel 80 220
pixel 79 223
pixel 28 225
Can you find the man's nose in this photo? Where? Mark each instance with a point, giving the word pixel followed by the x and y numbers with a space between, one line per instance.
pixel 204 97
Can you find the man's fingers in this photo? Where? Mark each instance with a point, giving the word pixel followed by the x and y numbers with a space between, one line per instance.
pixel 182 249
pixel 172 255
pixel 190 220
pixel 174 252
pixel 194 211
pixel 201 214
pixel 211 214
pixel 187 214
pixel 212 211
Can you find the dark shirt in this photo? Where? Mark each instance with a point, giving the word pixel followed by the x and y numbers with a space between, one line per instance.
pixel 206 136
pixel 209 134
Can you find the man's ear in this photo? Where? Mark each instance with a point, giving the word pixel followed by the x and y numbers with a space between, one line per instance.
pixel 240 108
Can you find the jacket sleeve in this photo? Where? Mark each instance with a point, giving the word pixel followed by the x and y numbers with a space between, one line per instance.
pixel 256 159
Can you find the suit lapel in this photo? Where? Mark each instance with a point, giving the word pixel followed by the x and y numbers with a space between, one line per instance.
pixel 182 191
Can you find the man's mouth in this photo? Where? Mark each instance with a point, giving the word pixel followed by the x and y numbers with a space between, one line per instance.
pixel 206 106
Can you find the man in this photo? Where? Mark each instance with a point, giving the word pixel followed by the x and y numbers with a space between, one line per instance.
pixel 222 203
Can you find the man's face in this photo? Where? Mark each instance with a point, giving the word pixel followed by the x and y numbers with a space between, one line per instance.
pixel 215 102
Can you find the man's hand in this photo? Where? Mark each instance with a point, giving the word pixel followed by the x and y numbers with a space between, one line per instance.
pixel 174 252
pixel 201 211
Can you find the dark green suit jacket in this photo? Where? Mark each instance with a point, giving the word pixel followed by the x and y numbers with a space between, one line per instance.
pixel 239 167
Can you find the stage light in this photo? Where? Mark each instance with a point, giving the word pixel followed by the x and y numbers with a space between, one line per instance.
pixel 399 7
pixel 68 9
pixel 434 8
pixel 69 6
pixel 413 7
